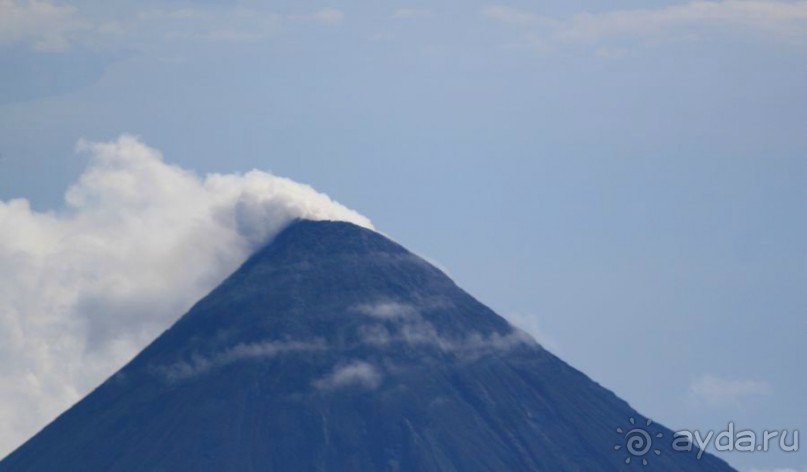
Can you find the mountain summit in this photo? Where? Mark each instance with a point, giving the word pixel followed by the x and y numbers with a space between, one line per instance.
pixel 334 348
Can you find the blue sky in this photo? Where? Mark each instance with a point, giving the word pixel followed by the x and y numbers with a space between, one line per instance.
pixel 625 180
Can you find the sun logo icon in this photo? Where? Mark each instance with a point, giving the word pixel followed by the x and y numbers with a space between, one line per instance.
pixel 637 441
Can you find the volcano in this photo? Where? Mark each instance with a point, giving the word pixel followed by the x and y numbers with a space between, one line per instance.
pixel 334 348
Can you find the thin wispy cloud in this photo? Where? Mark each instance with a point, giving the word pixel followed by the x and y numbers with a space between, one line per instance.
pixel 531 324
pixel 200 364
pixel 410 13
pixel 203 24
pixel 405 323
pixel 786 21
pixel 387 310
pixel 52 27
pixel 712 390
pixel 44 26
pixel 330 16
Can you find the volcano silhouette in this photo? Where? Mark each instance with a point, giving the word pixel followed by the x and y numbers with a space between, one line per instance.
pixel 334 348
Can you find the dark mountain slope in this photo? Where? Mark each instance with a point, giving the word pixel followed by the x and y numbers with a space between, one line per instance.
pixel 334 348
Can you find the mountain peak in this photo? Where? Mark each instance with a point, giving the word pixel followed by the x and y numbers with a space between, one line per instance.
pixel 340 284
pixel 335 348
pixel 323 238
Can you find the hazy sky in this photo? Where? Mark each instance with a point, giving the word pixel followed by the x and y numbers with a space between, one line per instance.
pixel 625 180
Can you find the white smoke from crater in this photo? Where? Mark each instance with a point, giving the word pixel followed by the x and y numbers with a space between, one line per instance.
pixel 84 288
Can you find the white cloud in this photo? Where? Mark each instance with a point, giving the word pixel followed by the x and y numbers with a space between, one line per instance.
pixel 54 27
pixel 43 25
pixel 776 19
pixel 411 327
pixel 410 13
pixel 716 391
pixel 218 24
pixel 355 373
pixel 532 325
pixel 200 364
pixel 330 16
pixel 507 14
pixel 84 288
pixel 214 24
pixel 387 310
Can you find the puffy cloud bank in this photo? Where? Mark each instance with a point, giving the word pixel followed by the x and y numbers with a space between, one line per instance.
pixel 85 288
